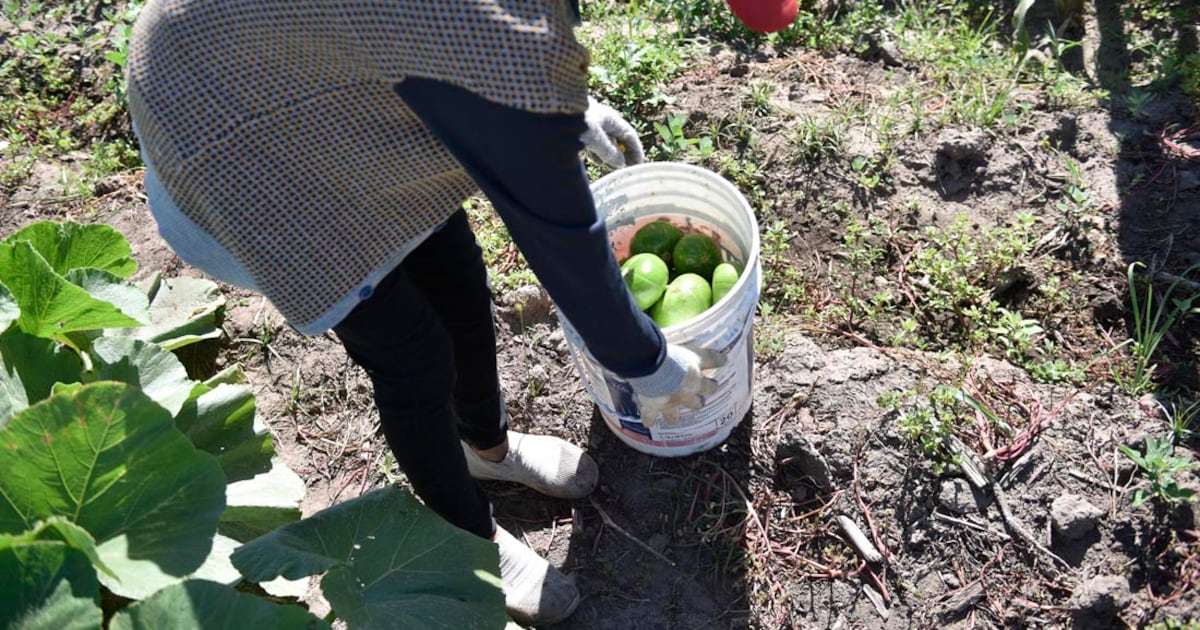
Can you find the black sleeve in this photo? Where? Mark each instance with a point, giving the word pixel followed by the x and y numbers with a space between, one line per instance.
pixel 528 165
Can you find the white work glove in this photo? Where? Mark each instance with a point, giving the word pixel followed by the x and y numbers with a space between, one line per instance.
pixel 609 138
pixel 678 382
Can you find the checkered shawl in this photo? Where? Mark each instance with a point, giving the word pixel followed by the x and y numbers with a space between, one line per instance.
pixel 275 128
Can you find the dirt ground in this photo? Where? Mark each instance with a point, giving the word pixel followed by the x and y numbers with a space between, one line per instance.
pixel 746 535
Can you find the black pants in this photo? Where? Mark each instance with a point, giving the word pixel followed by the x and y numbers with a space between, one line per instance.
pixel 426 339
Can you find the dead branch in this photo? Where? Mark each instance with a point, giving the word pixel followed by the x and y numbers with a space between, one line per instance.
pixel 1017 528
pixel 609 522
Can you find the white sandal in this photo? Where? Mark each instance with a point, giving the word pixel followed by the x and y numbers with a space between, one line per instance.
pixel 550 465
pixel 535 592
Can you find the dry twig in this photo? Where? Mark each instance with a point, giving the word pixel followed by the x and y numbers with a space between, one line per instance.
pixel 1017 528
pixel 609 522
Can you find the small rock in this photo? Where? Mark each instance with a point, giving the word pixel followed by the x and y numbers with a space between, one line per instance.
pixel 962 601
pixel 1106 309
pixel 531 302
pixel 958 496
pixel 1151 407
pixel 951 580
pixel 538 376
pixel 890 54
pixel 558 341
pixel 1101 595
pixel 1073 516
pixel 812 96
pixel 797 451
pixel 958 144
pixel 108 185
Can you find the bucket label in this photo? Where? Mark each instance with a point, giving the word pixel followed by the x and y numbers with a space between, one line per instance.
pixel 697 429
pixel 720 407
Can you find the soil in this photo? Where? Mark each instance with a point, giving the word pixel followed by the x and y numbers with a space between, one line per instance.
pixel 746 535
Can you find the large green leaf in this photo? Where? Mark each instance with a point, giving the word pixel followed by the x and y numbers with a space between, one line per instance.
pixel 9 311
pixel 70 245
pixel 50 305
pixel 391 562
pixel 204 605
pixel 157 372
pixel 182 311
pixel 47 584
pixel 260 504
pixel 220 420
pixel 215 567
pixel 58 528
pixel 108 287
pixel 111 460
pixel 29 368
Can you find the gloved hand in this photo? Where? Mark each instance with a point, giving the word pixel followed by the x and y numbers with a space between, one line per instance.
pixel 678 382
pixel 609 138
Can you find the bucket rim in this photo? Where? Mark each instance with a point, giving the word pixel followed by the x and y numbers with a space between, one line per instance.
pixel 750 267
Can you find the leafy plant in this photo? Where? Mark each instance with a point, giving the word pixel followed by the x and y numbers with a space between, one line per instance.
pixel 1160 466
pixel 1136 102
pixel 927 421
pixel 634 57
pixel 389 562
pixel 124 476
pixel 873 172
pixel 783 283
pixel 674 143
pixel 75 336
pixel 758 97
pixel 60 102
pixel 1174 624
pixel 956 271
pixel 1016 334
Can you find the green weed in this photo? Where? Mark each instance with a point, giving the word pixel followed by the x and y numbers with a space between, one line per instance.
pixel 1183 420
pixel 1174 624
pixel 633 57
pixel 1136 102
pixel 770 333
pixel 64 86
pixel 506 267
pixel 955 271
pixel 1160 467
pixel 928 421
pixel 1016 334
pixel 1153 318
pixel 734 131
pixel 783 285
pixel 675 145
pixel 816 138
pixel 748 177
pixel 758 97
pixel 873 172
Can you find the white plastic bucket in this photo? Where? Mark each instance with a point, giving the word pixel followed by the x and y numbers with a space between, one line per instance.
pixel 696 200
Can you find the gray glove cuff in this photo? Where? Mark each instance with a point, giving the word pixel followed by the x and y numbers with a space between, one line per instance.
pixel 667 378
